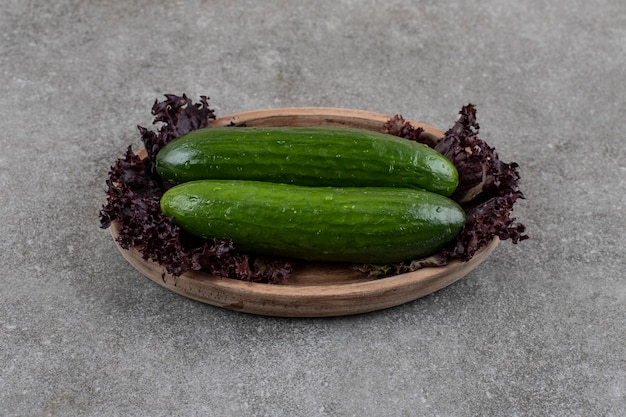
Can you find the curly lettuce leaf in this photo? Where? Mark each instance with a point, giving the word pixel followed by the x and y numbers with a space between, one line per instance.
pixel 488 189
pixel 133 195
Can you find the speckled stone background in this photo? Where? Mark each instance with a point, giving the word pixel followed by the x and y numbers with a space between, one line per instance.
pixel 537 330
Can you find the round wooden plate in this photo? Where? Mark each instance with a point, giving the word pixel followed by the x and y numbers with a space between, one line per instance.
pixel 315 289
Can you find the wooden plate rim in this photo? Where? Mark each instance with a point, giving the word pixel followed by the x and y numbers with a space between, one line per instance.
pixel 330 116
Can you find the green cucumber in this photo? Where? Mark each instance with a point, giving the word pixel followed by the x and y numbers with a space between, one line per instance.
pixel 314 156
pixel 345 224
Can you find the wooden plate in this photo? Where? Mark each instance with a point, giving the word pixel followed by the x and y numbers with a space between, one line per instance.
pixel 316 289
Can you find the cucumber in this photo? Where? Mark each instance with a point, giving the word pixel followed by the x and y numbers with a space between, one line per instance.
pixel 344 224
pixel 314 156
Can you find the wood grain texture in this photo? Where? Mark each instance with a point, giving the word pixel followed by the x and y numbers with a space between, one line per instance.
pixel 316 289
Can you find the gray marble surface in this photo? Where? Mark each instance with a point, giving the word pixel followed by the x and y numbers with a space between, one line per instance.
pixel 537 330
